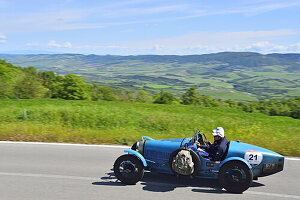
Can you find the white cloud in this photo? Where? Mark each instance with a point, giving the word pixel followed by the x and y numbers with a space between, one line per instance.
pixel 68 44
pixel 213 39
pixel 196 43
pixel 95 47
pixel 267 47
pixel 157 47
pixel 2 38
pixel 262 44
pixel 53 43
pixel 208 42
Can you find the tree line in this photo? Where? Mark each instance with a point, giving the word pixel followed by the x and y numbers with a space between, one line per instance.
pixel 28 83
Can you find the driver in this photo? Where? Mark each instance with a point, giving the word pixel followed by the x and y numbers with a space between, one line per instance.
pixel 216 150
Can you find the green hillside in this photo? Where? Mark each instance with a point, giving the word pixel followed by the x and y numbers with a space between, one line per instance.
pixel 124 123
pixel 228 75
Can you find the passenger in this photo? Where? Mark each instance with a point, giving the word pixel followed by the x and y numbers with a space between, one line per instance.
pixel 218 149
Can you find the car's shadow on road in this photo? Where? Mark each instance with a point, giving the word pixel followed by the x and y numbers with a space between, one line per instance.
pixel 156 182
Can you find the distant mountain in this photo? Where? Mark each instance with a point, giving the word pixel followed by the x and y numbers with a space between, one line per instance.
pixel 236 75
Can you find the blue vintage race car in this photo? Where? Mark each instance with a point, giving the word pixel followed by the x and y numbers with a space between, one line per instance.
pixel 235 171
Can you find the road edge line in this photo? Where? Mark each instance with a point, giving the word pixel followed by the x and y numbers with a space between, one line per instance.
pixel 65 144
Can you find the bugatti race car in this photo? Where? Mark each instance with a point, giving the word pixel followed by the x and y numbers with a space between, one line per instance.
pixel 235 171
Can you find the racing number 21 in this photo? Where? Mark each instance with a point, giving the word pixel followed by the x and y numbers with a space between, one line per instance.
pixel 251 156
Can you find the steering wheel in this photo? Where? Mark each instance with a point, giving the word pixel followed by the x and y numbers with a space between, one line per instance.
pixel 201 138
pixel 206 142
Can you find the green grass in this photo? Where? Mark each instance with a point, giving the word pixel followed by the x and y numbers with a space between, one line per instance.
pixel 106 122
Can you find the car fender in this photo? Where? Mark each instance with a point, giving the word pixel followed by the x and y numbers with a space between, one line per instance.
pixel 137 154
pixel 146 138
pixel 235 159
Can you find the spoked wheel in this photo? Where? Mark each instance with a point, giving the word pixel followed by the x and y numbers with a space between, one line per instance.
pixel 235 177
pixel 128 169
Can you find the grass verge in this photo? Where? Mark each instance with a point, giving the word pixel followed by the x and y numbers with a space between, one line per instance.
pixel 105 122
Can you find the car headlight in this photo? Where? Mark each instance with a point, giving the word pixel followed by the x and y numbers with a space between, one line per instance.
pixel 140 146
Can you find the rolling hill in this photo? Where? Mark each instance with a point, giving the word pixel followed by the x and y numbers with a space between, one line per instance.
pixel 243 76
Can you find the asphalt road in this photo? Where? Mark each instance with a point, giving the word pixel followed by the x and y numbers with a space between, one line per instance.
pixel 58 171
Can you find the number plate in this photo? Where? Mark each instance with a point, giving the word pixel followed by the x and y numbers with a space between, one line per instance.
pixel 254 157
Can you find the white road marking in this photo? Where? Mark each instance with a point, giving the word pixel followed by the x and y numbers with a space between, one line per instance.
pixel 292 158
pixel 66 144
pixel 95 145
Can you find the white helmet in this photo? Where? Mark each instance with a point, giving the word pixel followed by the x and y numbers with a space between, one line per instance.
pixel 219 132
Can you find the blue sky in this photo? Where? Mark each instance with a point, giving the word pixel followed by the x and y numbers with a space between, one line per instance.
pixel 136 27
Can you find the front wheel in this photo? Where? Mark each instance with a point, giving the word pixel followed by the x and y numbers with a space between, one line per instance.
pixel 128 169
pixel 235 177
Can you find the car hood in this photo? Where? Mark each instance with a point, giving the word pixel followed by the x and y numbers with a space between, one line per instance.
pixel 240 149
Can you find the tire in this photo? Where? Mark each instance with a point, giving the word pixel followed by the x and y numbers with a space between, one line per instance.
pixel 128 169
pixel 195 158
pixel 235 177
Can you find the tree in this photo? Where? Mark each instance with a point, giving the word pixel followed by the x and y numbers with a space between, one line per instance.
pixel 48 79
pixel 71 87
pixel 107 94
pixel 209 102
pixel 130 96
pixel 143 97
pixel 9 75
pixel 28 85
pixel 166 98
pixel 103 93
pixel 95 93
pixel 191 96
pixel 232 103
pixel 296 113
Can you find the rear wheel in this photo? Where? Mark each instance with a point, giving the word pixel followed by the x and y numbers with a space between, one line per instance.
pixel 128 169
pixel 235 177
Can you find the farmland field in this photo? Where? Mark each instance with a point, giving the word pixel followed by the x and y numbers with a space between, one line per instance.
pixel 240 76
